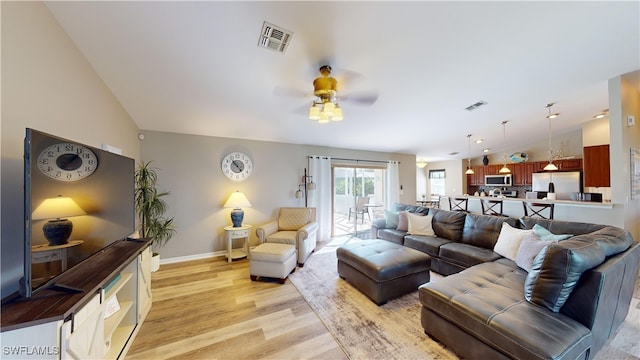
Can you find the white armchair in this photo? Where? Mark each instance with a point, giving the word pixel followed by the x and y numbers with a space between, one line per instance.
pixel 295 226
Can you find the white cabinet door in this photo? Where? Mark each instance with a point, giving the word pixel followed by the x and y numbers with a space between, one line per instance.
pixel 83 336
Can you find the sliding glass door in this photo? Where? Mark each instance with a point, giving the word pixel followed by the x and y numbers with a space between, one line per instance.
pixel 358 198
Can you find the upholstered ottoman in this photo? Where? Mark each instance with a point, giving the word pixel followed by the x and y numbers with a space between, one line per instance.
pixel 272 260
pixel 382 270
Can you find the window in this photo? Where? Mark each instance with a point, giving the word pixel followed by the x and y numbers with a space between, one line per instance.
pixel 436 181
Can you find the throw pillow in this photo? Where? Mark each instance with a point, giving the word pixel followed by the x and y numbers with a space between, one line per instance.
pixel 509 241
pixel 420 225
pixel 529 248
pixel 547 235
pixel 391 219
pixel 557 268
pixel 403 224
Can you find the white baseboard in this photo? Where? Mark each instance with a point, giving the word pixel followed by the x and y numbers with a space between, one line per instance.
pixel 192 257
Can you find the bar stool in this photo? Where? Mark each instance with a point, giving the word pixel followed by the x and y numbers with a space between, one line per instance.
pixel 491 206
pixel 537 209
pixel 458 204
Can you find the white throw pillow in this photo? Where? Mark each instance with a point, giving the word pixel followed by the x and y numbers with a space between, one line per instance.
pixel 530 246
pixel 420 225
pixel 509 241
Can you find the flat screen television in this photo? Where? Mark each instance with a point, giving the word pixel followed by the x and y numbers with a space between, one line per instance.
pixel 98 182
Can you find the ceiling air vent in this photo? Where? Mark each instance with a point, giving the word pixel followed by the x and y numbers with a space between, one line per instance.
pixel 476 105
pixel 274 37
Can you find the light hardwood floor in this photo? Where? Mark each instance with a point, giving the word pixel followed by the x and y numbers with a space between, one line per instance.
pixel 210 309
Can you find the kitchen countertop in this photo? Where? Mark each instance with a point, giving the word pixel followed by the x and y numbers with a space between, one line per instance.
pixel 557 202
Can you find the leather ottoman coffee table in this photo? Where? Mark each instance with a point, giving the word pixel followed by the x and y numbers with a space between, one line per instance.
pixel 382 270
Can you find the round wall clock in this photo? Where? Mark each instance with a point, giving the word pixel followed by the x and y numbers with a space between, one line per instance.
pixel 67 162
pixel 236 166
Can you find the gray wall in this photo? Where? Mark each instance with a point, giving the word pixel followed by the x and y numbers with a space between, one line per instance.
pixel 47 85
pixel 189 167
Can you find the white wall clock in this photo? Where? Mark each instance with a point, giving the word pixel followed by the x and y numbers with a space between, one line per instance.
pixel 236 166
pixel 67 162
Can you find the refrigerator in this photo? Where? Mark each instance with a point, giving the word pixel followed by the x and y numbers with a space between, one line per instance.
pixel 565 183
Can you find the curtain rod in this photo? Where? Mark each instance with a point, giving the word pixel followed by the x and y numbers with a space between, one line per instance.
pixel 357 160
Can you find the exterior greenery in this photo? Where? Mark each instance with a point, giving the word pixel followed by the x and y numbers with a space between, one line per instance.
pixel 150 207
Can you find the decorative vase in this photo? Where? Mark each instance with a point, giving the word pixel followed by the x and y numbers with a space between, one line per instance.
pixel 155 262
pixel 485 160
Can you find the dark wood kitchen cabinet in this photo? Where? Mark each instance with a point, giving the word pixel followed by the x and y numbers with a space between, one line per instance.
pixel 596 166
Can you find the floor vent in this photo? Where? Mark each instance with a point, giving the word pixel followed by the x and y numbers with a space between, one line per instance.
pixel 476 105
pixel 274 37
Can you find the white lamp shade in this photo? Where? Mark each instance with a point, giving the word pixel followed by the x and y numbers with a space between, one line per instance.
pixel 57 208
pixel 550 167
pixel 504 170
pixel 421 164
pixel 337 114
pixel 469 171
pixel 237 200
pixel 328 108
pixel 314 112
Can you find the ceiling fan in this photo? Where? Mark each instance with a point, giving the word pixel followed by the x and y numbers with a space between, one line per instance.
pixel 326 99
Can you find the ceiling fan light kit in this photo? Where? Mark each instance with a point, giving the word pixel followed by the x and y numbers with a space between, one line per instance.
pixel 325 107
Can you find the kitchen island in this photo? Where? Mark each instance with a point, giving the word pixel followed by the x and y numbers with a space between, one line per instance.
pixel 568 210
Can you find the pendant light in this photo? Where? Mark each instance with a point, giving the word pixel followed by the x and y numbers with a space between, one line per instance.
pixel 550 166
pixel 505 169
pixel 469 169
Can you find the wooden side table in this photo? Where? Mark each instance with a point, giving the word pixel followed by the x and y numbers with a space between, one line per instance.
pixel 232 233
pixel 46 253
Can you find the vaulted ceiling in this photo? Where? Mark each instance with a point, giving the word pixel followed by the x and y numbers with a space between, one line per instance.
pixel 196 67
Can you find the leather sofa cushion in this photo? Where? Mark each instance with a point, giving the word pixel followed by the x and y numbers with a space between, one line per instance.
pixel 557 269
pixel 465 254
pixel 483 230
pixel 612 240
pixel 488 303
pixel 393 235
pixel 427 244
pixel 448 224
pixel 559 226
pixel 397 207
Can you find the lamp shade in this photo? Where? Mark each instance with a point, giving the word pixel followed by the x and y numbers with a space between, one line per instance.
pixel 58 230
pixel 57 208
pixel 237 200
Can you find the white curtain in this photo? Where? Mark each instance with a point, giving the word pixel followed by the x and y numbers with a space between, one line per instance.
pixel 320 198
pixel 392 188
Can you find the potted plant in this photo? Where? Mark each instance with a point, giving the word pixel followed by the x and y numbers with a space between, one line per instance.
pixel 150 209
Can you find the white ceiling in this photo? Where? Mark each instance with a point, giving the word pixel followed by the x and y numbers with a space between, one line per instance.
pixel 195 67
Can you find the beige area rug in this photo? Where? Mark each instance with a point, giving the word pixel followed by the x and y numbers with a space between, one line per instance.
pixel 363 329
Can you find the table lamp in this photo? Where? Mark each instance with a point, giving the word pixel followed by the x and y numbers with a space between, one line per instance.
pixel 237 200
pixel 57 230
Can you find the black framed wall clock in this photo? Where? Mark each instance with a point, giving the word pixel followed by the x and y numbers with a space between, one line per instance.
pixel 67 162
pixel 236 166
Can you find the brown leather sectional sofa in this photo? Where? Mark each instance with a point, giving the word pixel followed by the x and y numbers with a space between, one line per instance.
pixel 567 306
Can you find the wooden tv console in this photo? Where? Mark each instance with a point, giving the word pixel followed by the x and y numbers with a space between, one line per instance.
pixel 89 324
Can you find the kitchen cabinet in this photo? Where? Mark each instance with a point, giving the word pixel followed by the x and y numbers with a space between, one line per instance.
pixel 569 164
pixel 596 166
pixel 492 170
pixel 476 179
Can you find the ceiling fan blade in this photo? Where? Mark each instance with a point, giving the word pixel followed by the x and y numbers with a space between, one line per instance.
pixel 365 97
pixel 291 92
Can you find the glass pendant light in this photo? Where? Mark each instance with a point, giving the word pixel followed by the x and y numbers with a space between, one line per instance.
pixel 505 169
pixel 550 166
pixel 469 169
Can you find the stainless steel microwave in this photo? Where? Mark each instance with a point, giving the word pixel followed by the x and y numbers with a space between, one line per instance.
pixel 497 180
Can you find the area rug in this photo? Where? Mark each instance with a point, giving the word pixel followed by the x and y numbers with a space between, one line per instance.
pixel 363 329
